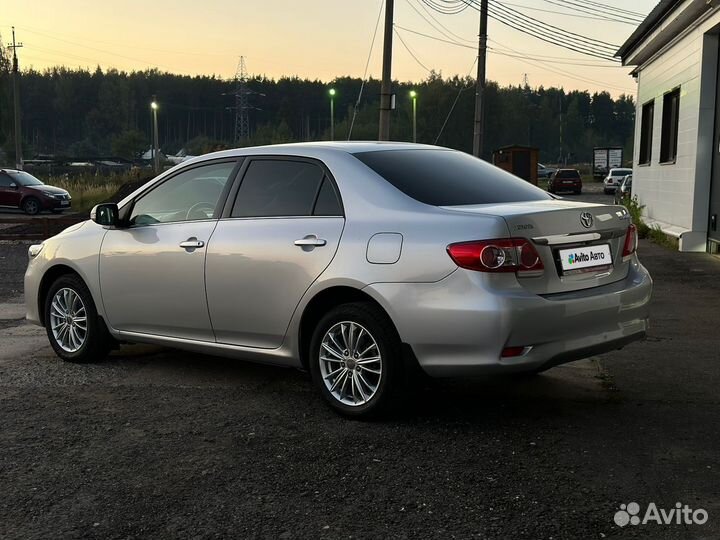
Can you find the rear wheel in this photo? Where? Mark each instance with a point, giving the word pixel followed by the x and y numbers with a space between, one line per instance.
pixel 31 206
pixel 75 331
pixel 355 359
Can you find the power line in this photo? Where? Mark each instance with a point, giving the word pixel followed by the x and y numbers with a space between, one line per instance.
pixel 557 59
pixel 590 12
pixel 457 97
pixel 409 50
pixel 595 17
pixel 578 48
pixel 607 7
pixel 442 29
pixel 547 67
pixel 545 32
pixel 527 18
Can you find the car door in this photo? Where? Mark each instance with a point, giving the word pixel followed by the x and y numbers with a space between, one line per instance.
pixel 152 271
pixel 9 191
pixel 280 230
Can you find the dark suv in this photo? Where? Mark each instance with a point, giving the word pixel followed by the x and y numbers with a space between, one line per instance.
pixel 565 180
pixel 19 189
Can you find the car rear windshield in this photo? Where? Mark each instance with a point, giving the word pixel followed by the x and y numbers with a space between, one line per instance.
pixel 620 172
pixel 568 174
pixel 449 178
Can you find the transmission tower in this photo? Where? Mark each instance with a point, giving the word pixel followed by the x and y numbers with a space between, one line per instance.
pixel 242 122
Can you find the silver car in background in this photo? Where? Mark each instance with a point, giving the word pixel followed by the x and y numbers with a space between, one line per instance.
pixel 353 261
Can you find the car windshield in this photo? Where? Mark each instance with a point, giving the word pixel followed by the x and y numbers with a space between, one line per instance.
pixel 449 178
pixel 25 179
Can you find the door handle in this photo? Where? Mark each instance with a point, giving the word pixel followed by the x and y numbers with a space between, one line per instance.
pixel 310 241
pixel 192 243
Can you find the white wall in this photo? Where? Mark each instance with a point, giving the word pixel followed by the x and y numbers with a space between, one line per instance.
pixel 676 195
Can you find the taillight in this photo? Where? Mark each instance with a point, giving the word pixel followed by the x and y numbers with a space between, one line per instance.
pixel 631 241
pixel 502 255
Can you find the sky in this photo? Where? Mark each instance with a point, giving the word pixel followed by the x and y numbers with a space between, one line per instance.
pixel 315 39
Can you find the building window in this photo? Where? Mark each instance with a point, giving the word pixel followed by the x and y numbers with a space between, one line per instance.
pixel 646 127
pixel 670 118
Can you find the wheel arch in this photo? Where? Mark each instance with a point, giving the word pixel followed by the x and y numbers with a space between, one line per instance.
pixel 49 277
pixel 324 301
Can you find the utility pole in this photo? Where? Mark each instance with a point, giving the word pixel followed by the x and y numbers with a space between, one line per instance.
pixel 386 87
pixel 16 99
pixel 480 82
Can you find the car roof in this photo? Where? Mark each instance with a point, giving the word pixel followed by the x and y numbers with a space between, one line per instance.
pixel 317 148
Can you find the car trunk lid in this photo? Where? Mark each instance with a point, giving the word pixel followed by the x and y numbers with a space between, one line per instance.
pixel 580 244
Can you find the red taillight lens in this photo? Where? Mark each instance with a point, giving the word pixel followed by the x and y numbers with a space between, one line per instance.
pixel 631 241
pixel 502 255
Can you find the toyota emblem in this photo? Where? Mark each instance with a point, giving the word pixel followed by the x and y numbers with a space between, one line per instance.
pixel 586 218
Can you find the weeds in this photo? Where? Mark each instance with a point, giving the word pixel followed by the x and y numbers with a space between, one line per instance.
pixel 88 190
pixel 654 233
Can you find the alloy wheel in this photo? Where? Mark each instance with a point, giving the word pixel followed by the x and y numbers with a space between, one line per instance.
pixel 350 363
pixel 68 320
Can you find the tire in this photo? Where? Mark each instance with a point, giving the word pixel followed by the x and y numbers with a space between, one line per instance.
pixel 358 391
pixel 31 206
pixel 578 192
pixel 75 345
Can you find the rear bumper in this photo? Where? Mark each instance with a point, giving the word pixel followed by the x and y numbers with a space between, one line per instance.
pixel 460 325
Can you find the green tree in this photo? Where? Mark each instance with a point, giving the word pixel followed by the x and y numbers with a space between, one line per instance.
pixel 129 143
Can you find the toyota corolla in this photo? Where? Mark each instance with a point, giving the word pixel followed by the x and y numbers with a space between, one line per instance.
pixel 353 261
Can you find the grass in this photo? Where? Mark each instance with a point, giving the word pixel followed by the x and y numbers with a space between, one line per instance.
pixel 88 190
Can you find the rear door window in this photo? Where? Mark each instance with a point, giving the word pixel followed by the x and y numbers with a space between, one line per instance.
pixel 278 188
pixel 449 178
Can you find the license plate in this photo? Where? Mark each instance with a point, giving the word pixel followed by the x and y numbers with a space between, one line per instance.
pixel 585 257
pixel 64 203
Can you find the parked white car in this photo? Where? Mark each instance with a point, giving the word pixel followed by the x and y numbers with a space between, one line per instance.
pixel 613 179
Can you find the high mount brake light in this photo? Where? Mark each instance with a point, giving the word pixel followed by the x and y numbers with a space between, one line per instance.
pixel 501 255
pixel 631 241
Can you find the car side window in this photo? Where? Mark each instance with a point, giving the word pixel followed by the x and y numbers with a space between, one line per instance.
pixel 5 180
pixel 189 196
pixel 327 203
pixel 278 188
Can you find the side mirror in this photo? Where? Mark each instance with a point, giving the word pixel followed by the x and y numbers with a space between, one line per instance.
pixel 106 214
pixel 13 185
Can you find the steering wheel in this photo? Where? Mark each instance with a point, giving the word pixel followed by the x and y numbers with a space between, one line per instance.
pixel 198 208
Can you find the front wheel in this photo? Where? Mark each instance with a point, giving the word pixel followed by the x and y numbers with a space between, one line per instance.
pixel 355 359
pixel 75 331
pixel 31 206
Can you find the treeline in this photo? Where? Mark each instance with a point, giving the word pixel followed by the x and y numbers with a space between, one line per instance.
pixel 82 113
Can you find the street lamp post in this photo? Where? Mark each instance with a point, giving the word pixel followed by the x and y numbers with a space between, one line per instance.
pixel 332 113
pixel 155 149
pixel 413 96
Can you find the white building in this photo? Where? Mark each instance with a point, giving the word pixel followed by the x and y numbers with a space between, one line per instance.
pixel 676 162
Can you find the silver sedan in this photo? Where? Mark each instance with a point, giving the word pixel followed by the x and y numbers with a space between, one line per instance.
pixel 353 261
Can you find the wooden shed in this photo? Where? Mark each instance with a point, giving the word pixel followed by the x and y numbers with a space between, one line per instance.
pixel 519 160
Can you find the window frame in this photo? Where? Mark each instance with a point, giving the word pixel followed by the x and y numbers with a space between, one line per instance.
pixel 240 177
pixel 669 126
pixel 649 134
pixel 126 210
